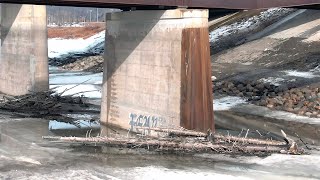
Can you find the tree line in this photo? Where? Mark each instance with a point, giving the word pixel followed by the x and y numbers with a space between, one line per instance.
pixel 61 15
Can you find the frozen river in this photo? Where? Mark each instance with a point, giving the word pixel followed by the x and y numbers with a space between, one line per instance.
pixel 24 155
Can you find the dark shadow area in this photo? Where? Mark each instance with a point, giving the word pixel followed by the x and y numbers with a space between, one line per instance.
pixel 9 12
pixel 114 57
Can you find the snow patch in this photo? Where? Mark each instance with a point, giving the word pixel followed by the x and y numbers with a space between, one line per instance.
pixel 247 24
pixel 227 103
pixel 275 114
pixel 76 78
pixel 86 90
pixel 81 124
pixel 272 80
pixel 27 160
pixel 302 74
pixel 57 48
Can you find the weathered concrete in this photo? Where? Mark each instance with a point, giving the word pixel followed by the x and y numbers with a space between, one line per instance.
pixel 24 49
pixel 157 70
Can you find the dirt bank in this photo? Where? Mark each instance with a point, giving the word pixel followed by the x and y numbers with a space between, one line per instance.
pixel 88 30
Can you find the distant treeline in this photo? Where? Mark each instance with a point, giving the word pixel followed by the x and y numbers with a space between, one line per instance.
pixel 61 15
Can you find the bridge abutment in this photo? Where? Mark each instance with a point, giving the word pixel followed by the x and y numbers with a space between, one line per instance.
pixel 24 49
pixel 157 70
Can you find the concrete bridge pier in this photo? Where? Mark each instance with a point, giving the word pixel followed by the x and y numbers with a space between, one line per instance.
pixel 157 70
pixel 24 49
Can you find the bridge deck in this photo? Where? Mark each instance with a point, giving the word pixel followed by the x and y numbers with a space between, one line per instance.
pixel 227 4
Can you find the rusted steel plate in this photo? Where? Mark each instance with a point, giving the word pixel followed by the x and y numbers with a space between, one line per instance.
pixel 228 4
pixel 196 88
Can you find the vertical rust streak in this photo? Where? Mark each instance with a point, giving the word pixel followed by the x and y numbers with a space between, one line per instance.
pixel 196 100
pixel 197 85
pixel 206 65
pixel 185 81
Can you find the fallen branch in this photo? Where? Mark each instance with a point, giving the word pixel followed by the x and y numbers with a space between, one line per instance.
pixel 250 140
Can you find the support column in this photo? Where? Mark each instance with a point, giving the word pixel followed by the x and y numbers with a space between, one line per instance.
pixel 157 70
pixel 24 49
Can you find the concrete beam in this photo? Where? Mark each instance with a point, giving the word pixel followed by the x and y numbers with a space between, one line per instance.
pixel 24 49
pixel 157 70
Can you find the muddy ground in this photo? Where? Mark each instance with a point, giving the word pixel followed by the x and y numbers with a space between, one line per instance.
pixel 89 29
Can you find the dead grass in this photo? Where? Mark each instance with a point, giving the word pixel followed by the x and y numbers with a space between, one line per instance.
pixel 76 32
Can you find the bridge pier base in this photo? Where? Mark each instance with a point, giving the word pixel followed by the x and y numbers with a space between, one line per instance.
pixel 157 70
pixel 24 49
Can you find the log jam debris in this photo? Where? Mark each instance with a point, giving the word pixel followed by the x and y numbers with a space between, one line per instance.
pixel 190 142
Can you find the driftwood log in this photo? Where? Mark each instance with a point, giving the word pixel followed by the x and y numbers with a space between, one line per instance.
pixel 168 144
pixel 217 136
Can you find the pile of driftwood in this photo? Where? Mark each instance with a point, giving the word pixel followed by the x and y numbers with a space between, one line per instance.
pixel 41 103
pixel 188 142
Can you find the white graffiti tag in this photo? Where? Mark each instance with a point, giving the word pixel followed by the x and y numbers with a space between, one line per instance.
pixel 144 121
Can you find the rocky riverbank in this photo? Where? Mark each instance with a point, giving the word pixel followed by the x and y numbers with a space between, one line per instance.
pixel 299 100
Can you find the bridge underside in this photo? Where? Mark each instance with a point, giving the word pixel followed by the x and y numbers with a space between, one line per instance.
pixel 168 4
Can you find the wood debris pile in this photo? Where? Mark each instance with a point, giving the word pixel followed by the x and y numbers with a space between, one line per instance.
pixel 188 142
pixel 48 102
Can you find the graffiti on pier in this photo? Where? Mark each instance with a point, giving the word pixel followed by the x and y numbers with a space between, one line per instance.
pixel 139 120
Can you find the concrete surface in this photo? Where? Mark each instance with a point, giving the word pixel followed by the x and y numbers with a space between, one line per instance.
pixel 144 64
pixel 24 51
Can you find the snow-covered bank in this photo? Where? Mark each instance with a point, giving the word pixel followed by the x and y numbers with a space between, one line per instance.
pixel 247 24
pixel 237 33
pixel 62 48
